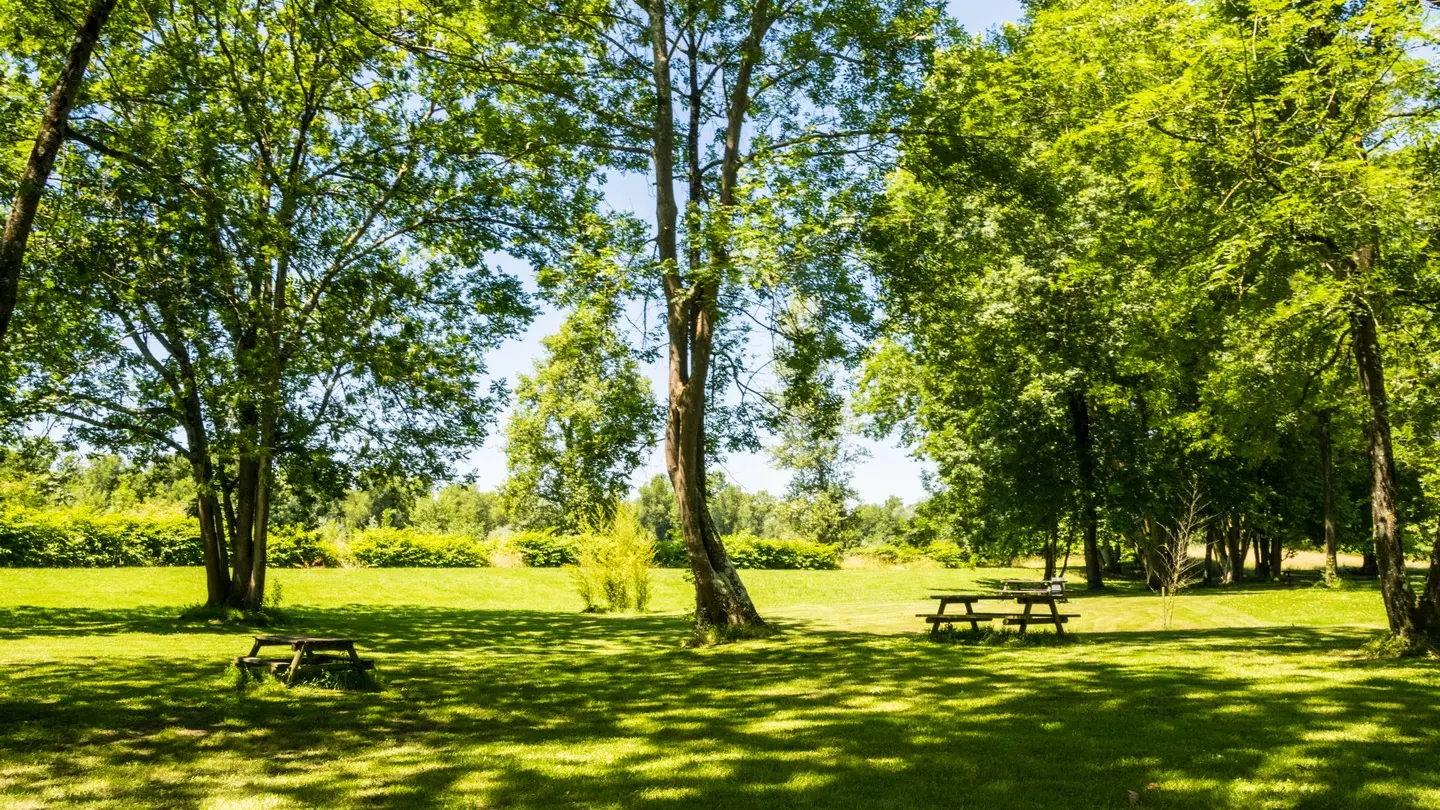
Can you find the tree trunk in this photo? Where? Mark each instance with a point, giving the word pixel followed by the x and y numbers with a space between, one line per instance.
pixel 1235 550
pixel 1262 560
pixel 1369 567
pixel 1085 463
pixel 1389 553
pixel 1277 555
pixel 42 158
pixel 721 600
pixel 1327 474
pixel 1051 542
pixel 1428 615
pixel 1209 556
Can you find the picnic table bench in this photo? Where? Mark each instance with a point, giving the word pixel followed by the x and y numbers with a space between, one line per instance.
pixel 1021 592
pixel 311 654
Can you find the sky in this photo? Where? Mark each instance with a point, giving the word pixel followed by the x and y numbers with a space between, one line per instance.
pixel 887 470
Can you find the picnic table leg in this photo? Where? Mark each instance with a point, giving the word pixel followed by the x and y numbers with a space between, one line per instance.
pixel 255 648
pixel 1055 614
pixel 970 609
pixel 1025 617
pixel 295 664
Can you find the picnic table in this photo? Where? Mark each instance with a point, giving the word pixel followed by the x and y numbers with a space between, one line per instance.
pixel 311 654
pixel 1048 593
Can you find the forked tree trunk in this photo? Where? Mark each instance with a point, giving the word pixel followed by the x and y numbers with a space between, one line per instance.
pixel 721 600
pixel 48 141
pixel 1327 475
pixel 1385 519
pixel 1085 467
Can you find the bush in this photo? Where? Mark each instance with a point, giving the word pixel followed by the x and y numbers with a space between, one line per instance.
pixel 298 547
pixel 544 549
pixel 78 537
pixel 614 563
pixel 948 555
pixel 749 551
pixel 412 548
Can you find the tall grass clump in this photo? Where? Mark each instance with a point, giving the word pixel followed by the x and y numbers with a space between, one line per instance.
pixel 613 561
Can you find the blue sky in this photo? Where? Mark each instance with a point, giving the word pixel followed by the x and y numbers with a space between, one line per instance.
pixel 888 470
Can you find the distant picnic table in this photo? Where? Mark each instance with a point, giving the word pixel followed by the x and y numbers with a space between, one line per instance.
pixel 1027 593
pixel 311 654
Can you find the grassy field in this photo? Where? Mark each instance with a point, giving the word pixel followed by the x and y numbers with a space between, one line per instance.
pixel 499 694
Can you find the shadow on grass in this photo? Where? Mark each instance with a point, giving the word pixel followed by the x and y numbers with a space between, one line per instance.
pixel 528 709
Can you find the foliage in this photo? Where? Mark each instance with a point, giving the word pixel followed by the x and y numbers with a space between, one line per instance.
pixel 461 508
pixel 583 421
pixel 82 537
pixel 613 562
pixel 385 547
pixel 749 551
pixel 947 555
pixel 294 546
pixel 544 548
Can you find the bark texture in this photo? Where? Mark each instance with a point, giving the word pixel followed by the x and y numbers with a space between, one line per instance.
pixel 1385 518
pixel 1327 474
pixel 48 141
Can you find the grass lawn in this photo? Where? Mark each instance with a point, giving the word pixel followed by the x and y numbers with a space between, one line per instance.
pixel 499 694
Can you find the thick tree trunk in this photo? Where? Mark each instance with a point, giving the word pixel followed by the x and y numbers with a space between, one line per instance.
pixel 1085 467
pixel 42 158
pixel 1277 556
pixel 1327 475
pixel 1395 588
pixel 1262 560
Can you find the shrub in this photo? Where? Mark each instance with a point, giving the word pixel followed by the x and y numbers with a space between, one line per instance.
pixel 78 537
pixel 385 547
pixel 544 549
pixel 298 547
pixel 614 563
pixel 948 555
pixel 749 551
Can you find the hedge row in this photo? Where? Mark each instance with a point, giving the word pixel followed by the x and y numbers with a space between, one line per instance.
pixel 749 551
pixel 80 538
pixel 56 538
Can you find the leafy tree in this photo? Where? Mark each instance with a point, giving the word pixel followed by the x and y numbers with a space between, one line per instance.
pixel 302 209
pixel 582 423
pixel 48 141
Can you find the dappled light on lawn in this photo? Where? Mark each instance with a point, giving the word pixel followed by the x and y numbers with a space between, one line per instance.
pixel 492 704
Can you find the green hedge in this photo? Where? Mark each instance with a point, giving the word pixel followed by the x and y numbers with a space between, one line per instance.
pixel 413 548
pixel 81 538
pixel 749 551
pixel 544 549
pixel 948 555
pixel 299 547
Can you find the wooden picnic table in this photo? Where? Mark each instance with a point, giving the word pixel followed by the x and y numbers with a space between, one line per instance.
pixel 1027 598
pixel 311 654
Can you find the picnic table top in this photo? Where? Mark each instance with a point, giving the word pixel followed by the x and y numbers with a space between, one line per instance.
pixel 960 598
pixel 306 639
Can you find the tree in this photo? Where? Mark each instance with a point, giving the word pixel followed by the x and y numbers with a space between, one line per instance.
pixel 302 210
pixel 48 141
pixel 778 119
pixel 581 426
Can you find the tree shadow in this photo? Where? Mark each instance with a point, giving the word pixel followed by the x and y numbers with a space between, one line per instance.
pixel 534 709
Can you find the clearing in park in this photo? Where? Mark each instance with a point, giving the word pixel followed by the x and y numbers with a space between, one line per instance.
pixel 497 692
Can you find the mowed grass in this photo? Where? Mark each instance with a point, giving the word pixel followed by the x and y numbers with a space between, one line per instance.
pixel 499 693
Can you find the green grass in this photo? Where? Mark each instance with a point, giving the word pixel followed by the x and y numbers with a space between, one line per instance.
pixel 499 693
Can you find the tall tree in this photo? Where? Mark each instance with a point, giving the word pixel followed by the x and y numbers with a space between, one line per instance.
pixel 301 211
pixel 583 421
